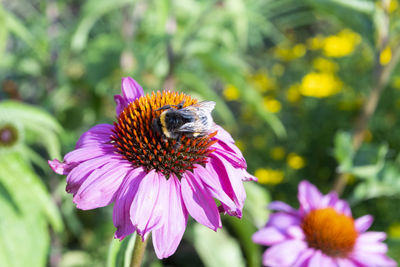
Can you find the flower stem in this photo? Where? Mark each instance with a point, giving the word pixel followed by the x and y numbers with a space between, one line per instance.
pixel 138 251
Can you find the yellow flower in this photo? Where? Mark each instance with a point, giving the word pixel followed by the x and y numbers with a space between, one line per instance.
pixel 295 161
pixel 393 5
pixel 269 176
pixel 342 44
pixel 325 65
pixel 394 230
pixel 287 53
pixel 293 93
pixel 272 105
pixel 277 153
pixel 385 56
pixel 320 84
pixel 262 81
pixel 315 43
pixel 231 93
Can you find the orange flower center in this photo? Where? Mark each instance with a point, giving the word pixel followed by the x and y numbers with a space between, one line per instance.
pixel 137 141
pixel 329 231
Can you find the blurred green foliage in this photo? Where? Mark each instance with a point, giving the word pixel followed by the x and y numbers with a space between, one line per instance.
pixel 289 77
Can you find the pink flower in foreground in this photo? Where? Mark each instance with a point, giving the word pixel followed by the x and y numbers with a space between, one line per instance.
pixel 155 182
pixel 321 233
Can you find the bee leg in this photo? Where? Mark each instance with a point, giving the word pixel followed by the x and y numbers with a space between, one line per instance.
pixel 178 141
pixel 164 107
pixel 180 105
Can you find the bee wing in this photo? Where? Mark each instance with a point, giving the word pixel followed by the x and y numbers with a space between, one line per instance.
pixel 193 127
pixel 205 105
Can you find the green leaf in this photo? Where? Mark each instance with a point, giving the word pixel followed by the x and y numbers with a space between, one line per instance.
pixel 255 207
pixel 26 209
pixel 343 150
pixel 216 248
pixel 120 252
pixel 93 10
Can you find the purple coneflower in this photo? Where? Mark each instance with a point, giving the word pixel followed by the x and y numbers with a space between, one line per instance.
pixel 321 233
pixel 154 181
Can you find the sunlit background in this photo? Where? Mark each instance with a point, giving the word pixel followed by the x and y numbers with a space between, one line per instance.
pixel 289 78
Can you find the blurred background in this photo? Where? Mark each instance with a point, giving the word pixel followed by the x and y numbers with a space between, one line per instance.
pixel 309 89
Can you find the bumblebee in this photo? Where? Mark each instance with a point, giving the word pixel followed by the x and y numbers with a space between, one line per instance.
pixel 193 121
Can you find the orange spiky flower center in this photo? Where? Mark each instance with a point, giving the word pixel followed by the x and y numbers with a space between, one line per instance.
pixel 137 141
pixel 329 231
pixel 8 135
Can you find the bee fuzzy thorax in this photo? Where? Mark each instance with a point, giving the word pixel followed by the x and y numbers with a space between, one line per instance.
pixel 166 131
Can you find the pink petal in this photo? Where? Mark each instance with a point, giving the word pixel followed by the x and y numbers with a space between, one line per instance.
pixel 283 221
pixel 371 237
pixel 343 262
pixel 372 259
pixel 213 183
pixel 295 232
pixel 363 223
pixel 223 135
pixel 131 89
pixel 309 196
pixel 89 152
pixel 342 206
pixel 198 201
pixel 281 206
pixel 230 180
pixel 370 247
pixel 148 205
pixel 123 202
pixel 80 173
pixel 329 200
pixel 319 259
pixel 100 133
pixel 304 258
pixel 61 168
pixel 236 159
pixel 167 238
pixel 268 236
pixel 284 254
pixel 248 177
pixel 99 189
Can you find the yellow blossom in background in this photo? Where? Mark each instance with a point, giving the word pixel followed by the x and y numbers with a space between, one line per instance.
pixel 231 93
pixel 315 43
pixel 342 44
pixel 396 82
pixel 293 93
pixel 272 105
pixel 277 153
pixel 393 5
pixel 269 176
pixel 290 53
pixel 295 161
pixel 320 84
pixel 262 81
pixel 325 65
pixel 385 56
pixel 394 230
pixel 278 69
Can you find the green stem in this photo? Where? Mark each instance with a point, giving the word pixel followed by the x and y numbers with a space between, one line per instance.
pixel 138 251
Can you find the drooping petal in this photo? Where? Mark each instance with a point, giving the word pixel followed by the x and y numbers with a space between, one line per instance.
pixel 148 205
pixel 61 167
pixel 268 236
pixel 363 223
pixel 99 189
pixel 100 133
pixel 230 180
pixel 248 177
pixel 215 188
pixel 199 203
pixel 167 238
pixel 309 196
pixel 81 172
pixel 284 254
pixel 123 202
